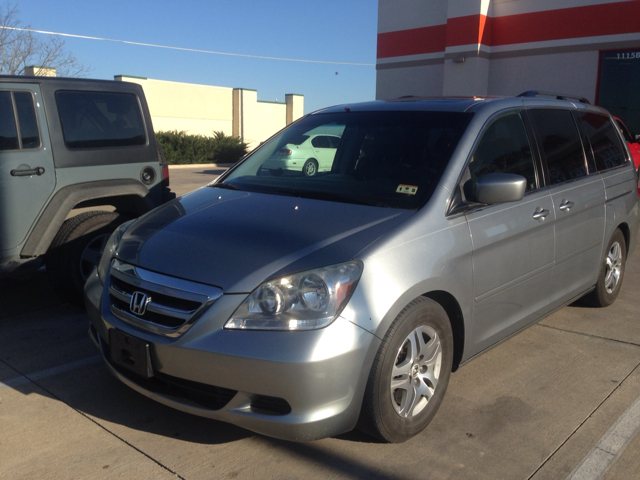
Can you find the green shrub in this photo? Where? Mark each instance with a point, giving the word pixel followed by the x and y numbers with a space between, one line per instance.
pixel 182 148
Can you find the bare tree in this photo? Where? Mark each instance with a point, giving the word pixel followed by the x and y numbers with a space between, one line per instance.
pixel 20 47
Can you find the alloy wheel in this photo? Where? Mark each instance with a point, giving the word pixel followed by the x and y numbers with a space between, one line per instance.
pixel 415 372
pixel 613 267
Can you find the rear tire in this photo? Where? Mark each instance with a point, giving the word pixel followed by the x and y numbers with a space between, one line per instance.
pixel 410 373
pixel 76 251
pixel 611 273
pixel 310 168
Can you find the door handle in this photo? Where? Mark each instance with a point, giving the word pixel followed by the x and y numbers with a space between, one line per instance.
pixel 566 205
pixel 27 173
pixel 540 214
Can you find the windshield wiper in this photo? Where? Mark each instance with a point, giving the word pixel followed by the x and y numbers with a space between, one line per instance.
pixel 227 186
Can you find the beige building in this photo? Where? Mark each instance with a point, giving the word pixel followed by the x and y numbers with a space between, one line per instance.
pixel 204 109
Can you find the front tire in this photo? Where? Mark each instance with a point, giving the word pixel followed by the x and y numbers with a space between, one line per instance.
pixel 76 251
pixel 611 273
pixel 410 373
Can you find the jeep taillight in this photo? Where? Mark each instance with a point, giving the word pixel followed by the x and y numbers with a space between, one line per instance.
pixel 162 161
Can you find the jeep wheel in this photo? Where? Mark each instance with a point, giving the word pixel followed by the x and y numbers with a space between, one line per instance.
pixel 76 251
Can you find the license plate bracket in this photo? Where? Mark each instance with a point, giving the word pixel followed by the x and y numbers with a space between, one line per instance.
pixel 131 353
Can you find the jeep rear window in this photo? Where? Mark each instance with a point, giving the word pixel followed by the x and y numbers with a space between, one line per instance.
pixel 99 120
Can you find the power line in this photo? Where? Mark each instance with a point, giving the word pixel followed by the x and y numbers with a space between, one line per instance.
pixel 128 42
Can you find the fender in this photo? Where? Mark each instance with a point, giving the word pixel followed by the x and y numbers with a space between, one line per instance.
pixel 67 198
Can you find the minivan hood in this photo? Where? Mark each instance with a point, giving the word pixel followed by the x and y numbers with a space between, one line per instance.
pixel 235 240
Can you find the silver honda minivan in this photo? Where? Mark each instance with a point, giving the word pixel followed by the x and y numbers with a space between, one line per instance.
pixel 301 303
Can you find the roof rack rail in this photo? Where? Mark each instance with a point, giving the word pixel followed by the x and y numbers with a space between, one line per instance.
pixel 559 96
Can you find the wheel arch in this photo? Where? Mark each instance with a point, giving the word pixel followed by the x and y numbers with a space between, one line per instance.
pixel 109 192
pixel 453 310
pixel 626 232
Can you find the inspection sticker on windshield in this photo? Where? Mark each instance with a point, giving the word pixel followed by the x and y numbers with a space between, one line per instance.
pixel 409 189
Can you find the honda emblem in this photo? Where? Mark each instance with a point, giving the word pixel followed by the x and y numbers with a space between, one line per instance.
pixel 139 302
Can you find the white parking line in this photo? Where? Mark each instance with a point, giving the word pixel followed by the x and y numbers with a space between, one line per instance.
pixel 610 447
pixel 21 380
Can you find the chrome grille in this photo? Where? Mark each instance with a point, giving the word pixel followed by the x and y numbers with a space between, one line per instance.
pixel 172 304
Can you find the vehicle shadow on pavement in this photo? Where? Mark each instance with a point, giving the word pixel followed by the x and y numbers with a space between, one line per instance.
pixel 26 294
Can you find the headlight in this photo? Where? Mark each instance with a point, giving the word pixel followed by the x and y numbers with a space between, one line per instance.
pixel 110 250
pixel 302 301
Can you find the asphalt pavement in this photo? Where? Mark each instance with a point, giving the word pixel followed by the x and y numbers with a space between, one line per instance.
pixel 559 400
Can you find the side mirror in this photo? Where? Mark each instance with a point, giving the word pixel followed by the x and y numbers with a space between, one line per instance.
pixel 637 137
pixel 495 188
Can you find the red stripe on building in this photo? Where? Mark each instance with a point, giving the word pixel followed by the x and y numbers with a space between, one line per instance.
pixel 562 24
pixel 590 21
pixel 465 30
pixel 412 42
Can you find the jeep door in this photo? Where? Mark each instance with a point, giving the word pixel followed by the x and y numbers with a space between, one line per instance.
pixel 513 243
pixel 27 174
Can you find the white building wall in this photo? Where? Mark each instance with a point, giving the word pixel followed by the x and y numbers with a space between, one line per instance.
pixel 421 81
pixel 406 14
pixel 571 73
pixel 203 109
pixel 196 109
pixel 467 78
pixel 275 112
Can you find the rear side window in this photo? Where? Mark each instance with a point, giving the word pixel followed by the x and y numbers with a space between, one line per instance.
pixel 504 148
pixel 560 142
pixel 27 120
pixel 8 130
pixel 21 135
pixel 605 142
pixel 323 141
pixel 99 120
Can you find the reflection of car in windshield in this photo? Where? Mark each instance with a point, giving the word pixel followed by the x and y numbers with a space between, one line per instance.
pixel 309 154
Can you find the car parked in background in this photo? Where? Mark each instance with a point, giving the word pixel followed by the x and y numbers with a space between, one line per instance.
pixel 308 155
pixel 633 142
pixel 77 158
pixel 303 306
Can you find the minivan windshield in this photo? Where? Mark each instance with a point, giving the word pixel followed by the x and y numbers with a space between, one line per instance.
pixel 385 159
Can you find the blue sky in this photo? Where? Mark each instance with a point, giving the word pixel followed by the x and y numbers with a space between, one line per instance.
pixel 327 30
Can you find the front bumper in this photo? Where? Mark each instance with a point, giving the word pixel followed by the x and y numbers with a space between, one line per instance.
pixel 291 385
